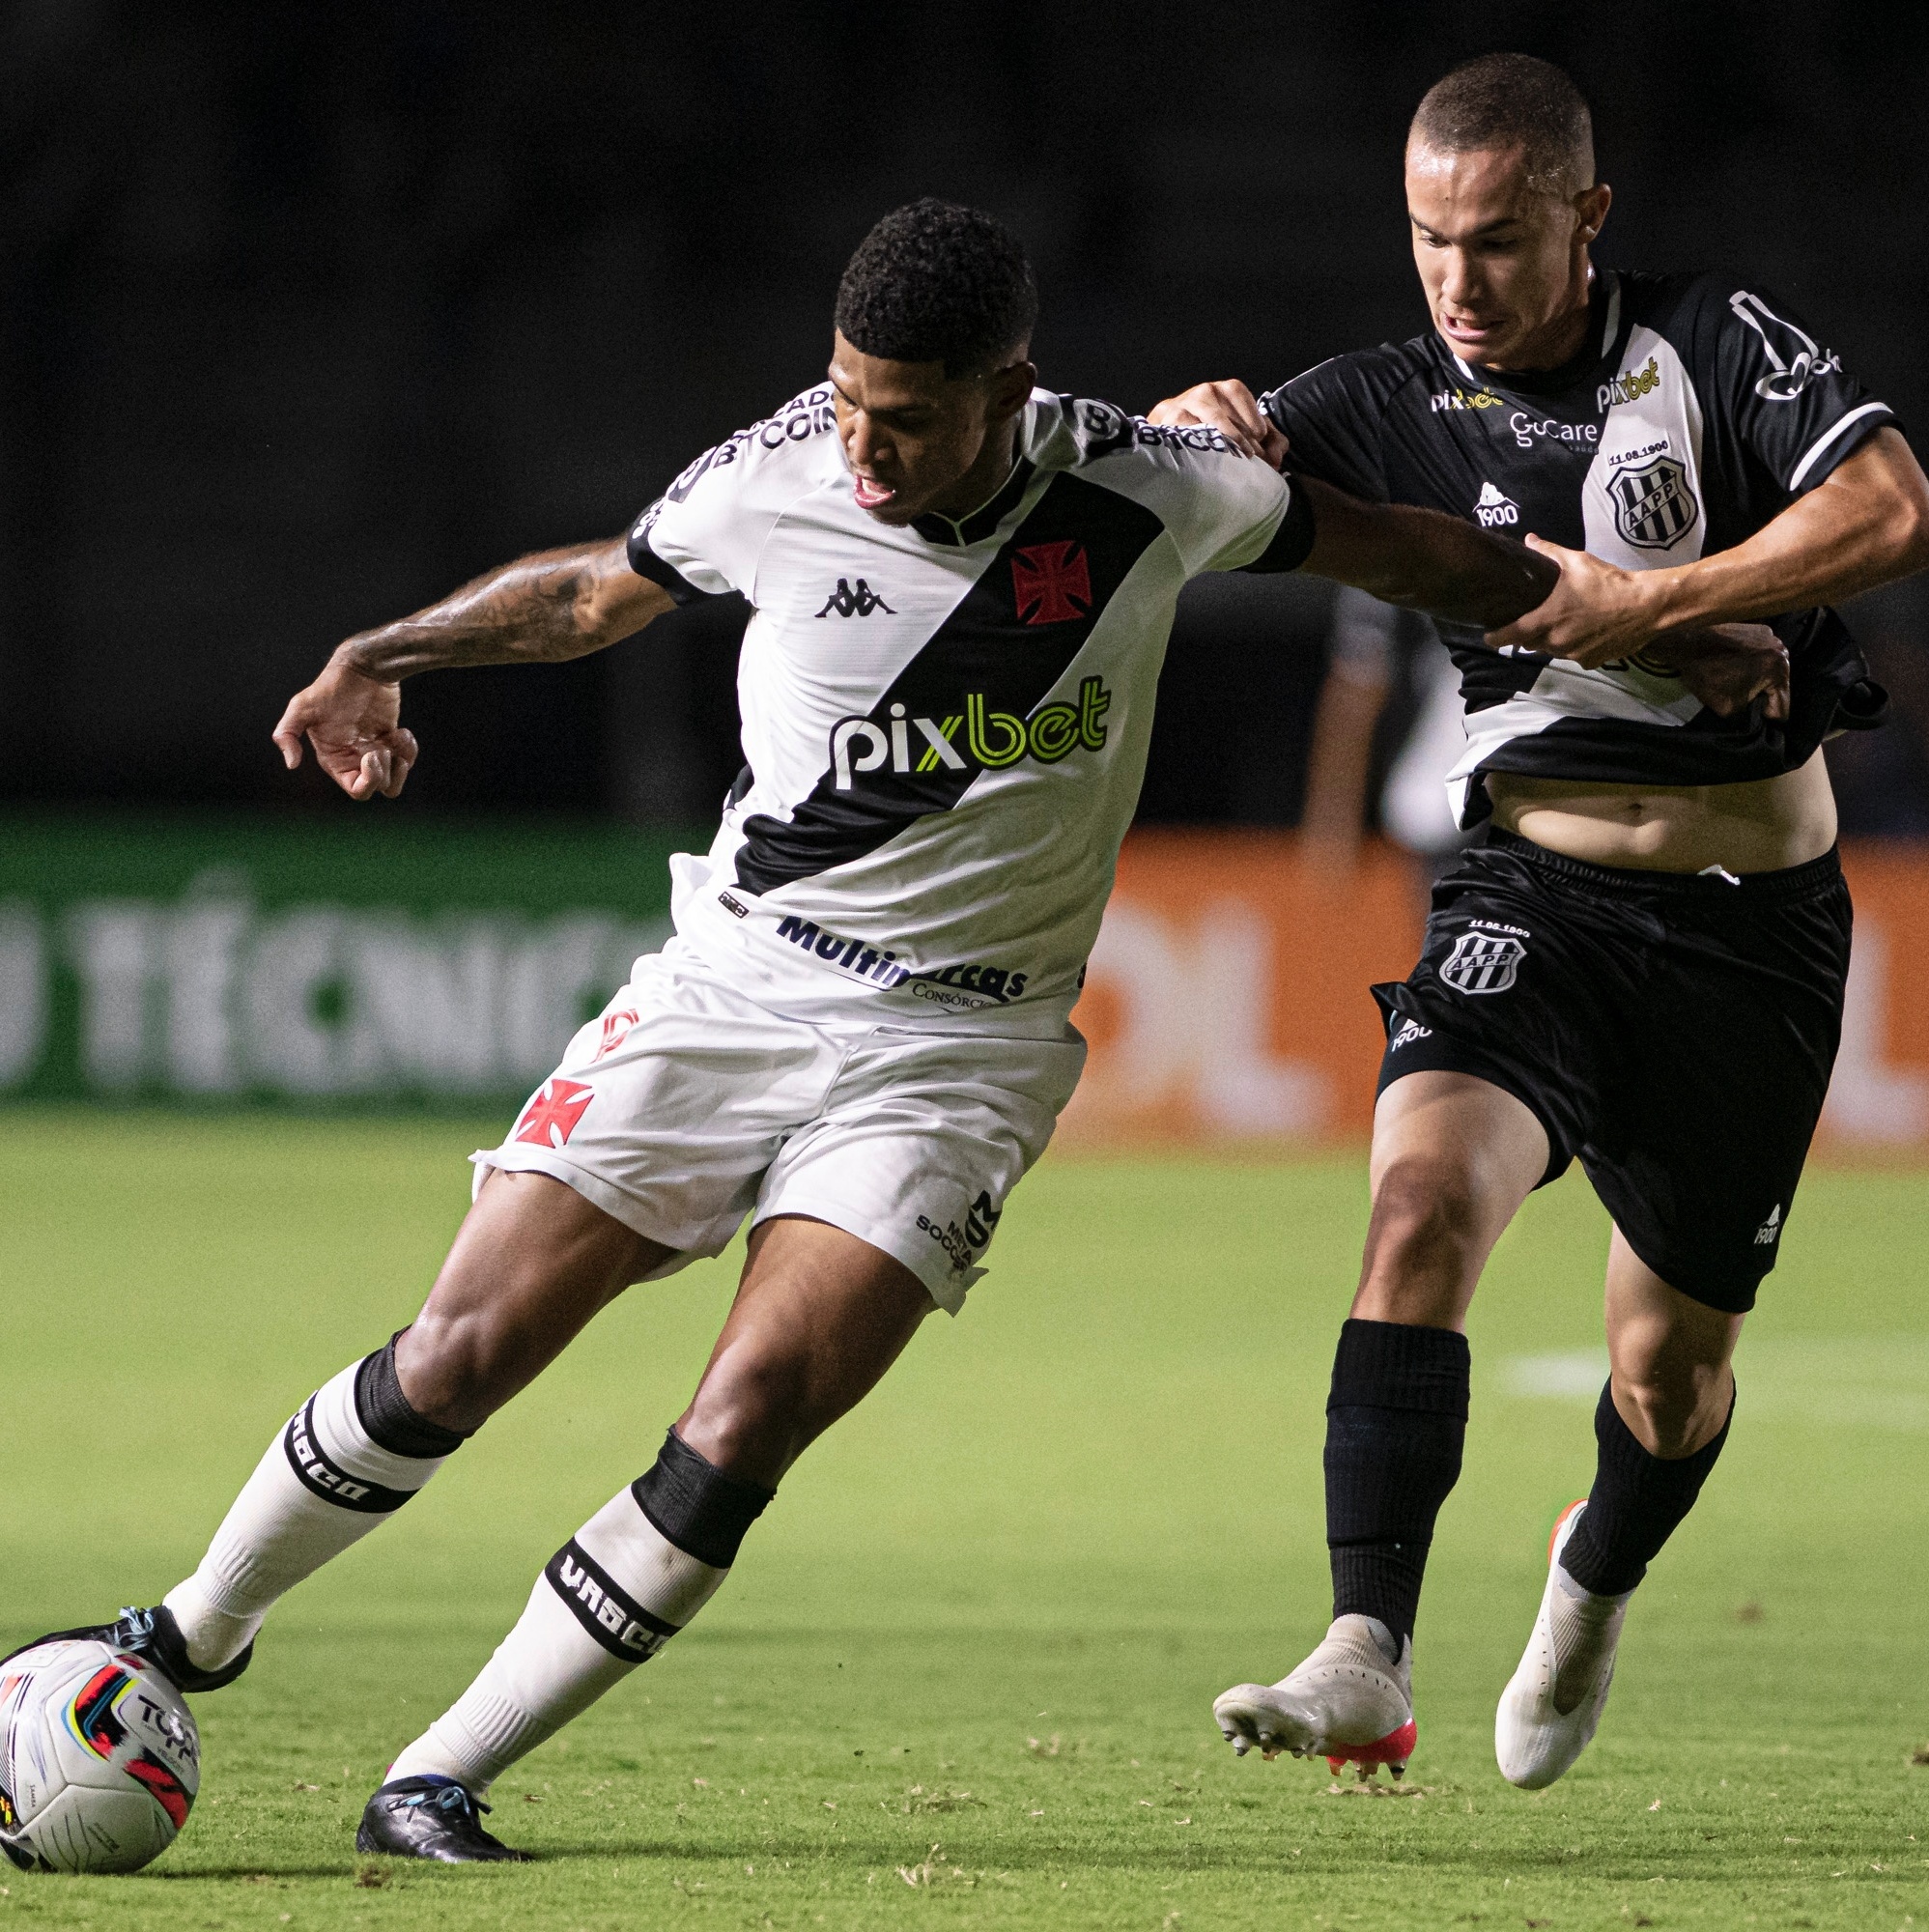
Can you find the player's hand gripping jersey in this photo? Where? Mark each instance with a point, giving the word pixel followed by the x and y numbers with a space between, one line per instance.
pixel 946 723
pixel 1698 412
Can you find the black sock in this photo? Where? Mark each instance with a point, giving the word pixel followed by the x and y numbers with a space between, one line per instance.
pixel 389 1417
pixel 1635 1502
pixel 1395 1423
pixel 705 1513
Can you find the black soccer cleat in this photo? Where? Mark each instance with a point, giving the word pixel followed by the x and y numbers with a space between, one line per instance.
pixel 431 1817
pixel 153 1636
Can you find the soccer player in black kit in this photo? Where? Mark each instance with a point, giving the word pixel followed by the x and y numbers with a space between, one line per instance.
pixel 1644 963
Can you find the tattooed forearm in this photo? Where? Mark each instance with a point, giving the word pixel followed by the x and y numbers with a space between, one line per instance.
pixel 542 609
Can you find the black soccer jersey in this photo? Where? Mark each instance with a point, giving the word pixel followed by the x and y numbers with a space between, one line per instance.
pixel 1697 413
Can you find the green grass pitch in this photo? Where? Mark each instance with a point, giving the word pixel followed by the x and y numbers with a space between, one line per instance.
pixel 962 1676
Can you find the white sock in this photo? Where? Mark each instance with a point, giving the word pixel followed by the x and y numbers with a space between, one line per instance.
pixel 1586 1629
pixel 610 1599
pixel 324 1485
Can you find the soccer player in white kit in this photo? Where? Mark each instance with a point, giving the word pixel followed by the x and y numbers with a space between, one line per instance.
pixel 859 1037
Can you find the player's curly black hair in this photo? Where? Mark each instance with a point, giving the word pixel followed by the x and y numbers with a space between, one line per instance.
pixel 934 282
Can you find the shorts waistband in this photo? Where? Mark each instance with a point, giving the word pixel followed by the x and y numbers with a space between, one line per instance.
pixel 1792 882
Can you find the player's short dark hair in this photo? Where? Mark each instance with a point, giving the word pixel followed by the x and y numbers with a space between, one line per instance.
pixel 1512 101
pixel 934 282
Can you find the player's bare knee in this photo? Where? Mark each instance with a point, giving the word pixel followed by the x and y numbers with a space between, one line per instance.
pixel 1427 1230
pixel 451 1370
pixel 1671 1409
pixel 751 1414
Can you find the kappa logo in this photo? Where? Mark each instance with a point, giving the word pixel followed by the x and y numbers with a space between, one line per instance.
pixel 1483 963
pixel 551 1117
pixel 1407 1033
pixel 1767 1233
pixel 1052 583
pixel 1654 506
pixel 858 602
pixel 1491 509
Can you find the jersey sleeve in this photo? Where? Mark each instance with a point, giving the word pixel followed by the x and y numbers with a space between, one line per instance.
pixel 1331 416
pixel 1785 395
pixel 702 537
pixel 1223 510
pixel 694 539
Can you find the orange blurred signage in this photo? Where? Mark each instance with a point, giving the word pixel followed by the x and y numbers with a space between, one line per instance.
pixel 1227 999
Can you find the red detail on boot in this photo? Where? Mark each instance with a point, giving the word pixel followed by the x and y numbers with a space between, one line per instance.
pixel 1396 1747
pixel 1554 1533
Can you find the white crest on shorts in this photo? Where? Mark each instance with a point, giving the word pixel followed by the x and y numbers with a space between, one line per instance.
pixel 1483 963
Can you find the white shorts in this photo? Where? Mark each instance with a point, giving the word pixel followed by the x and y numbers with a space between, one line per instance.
pixel 685 1106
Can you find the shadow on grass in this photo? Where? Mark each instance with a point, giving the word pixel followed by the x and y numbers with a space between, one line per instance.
pixel 1309 1859
pixel 257 1873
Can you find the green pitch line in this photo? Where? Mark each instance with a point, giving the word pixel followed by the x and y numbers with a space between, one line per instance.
pixel 962 1676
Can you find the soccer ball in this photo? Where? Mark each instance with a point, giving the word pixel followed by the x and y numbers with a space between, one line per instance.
pixel 99 1759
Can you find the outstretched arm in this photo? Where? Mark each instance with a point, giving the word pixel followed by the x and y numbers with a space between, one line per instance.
pixel 545 609
pixel 1434 562
pixel 1867 524
pixel 1426 560
pixel 1423 559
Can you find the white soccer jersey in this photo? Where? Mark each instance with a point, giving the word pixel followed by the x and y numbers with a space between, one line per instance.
pixel 946 723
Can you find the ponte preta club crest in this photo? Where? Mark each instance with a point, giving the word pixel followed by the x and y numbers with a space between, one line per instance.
pixel 1654 506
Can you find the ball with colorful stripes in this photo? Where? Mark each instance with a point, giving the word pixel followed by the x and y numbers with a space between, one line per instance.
pixel 100 1760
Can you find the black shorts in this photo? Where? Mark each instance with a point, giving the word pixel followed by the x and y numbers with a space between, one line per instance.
pixel 1674 1032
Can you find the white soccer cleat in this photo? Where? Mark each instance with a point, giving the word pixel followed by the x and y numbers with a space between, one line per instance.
pixel 1350 1702
pixel 1554 1699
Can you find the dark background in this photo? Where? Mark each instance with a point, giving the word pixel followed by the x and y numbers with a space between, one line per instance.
pixel 308 314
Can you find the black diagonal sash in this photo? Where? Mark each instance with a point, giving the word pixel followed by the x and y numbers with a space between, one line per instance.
pixel 996 657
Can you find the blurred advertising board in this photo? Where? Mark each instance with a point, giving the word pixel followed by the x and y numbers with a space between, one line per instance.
pixel 360 962
pixel 370 961
pixel 1227 998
